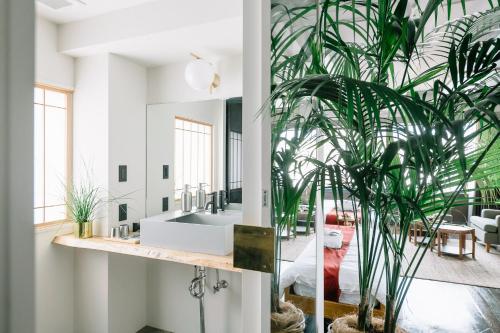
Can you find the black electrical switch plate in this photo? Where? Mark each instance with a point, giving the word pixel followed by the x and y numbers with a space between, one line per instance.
pixel 165 172
pixel 122 212
pixel 122 173
pixel 164 204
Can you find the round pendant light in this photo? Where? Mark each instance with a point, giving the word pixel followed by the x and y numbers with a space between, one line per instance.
pixel 200 74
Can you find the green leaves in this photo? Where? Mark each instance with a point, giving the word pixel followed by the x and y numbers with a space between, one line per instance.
pixel 475 62
pixel 401 147
pixel 83 200
pixel 452 63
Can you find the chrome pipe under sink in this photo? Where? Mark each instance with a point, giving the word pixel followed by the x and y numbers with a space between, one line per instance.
pixel 197 290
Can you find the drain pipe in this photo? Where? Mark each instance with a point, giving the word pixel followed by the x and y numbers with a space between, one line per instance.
pixel 197 290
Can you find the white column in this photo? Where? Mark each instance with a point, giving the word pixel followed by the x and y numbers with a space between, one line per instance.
pixel 256 287
pixel 16 165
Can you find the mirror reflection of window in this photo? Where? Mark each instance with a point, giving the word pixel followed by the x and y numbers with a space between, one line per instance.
pixel 193 155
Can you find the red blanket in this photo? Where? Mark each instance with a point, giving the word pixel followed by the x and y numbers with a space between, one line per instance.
pixel 333 258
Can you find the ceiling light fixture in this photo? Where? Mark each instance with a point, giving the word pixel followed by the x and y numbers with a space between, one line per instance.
pixel 200 74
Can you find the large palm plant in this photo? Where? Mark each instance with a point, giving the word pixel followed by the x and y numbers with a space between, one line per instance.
pixel 399 107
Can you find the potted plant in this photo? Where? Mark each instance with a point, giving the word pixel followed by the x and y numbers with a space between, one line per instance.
pixel 286 194
pixel 401 143
pixel 83 201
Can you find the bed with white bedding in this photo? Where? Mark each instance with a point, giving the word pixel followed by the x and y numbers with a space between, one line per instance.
pixel 299 278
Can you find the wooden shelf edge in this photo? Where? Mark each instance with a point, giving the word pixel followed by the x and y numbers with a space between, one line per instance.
pixel 138 250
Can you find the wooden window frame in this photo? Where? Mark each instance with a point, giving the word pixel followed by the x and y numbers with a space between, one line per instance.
pixel 69 149
pixel 211 149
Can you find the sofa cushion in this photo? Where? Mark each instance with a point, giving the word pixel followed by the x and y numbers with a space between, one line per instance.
pixel 490 213
pixel 488 225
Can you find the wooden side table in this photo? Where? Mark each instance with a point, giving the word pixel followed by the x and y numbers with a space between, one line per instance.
pixel 462 231
pixel 418 230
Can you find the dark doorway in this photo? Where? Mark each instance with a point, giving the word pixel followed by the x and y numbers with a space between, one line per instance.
pixel 234 149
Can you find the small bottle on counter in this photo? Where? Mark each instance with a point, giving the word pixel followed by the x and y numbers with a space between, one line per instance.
pixel 186 199
pixel 200 197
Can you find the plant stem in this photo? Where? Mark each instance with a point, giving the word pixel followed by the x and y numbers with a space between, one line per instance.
pixel 390 318
pixel 365 314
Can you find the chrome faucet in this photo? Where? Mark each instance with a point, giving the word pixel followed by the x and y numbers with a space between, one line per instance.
pixel 212 203
pixel 222 200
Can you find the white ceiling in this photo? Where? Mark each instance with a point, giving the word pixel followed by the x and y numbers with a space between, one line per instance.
pixel 151 32
pixel 212 41
pixel 83 9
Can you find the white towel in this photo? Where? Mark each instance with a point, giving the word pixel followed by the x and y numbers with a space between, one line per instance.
pixel 333 239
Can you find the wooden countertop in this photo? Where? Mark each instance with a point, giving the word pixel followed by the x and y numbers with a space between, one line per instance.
pixel 183 257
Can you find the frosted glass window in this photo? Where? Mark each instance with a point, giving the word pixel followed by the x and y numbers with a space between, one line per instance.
pixel 51 158
pixel 235 151
pixel 55 98
pixel 193 155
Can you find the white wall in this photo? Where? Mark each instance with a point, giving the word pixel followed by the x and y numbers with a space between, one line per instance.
pixel 90 128
pixel 167 84
pixel 161 150
pixel 127 146
pixel 16 166
pixel 126 137
pixel 54 265
pixel 127 291
pixel 110 130
pixel 256 286
pixel 52 67
pixel 91 291
pixel 171 307
pixel 54 283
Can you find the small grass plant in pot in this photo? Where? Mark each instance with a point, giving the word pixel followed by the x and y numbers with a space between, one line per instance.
pixel 83 201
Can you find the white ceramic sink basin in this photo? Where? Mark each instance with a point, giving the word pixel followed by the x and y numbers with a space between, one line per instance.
pixel 194 232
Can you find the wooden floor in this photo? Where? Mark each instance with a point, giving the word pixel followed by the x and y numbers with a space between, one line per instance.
pixel 441 307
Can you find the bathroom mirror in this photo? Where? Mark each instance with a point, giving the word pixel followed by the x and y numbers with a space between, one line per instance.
pixel 195 144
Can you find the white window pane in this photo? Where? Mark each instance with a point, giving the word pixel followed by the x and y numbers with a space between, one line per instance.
pixel 187 153
pixel 55 98
pixel 200 174
pixel 38 215
pixel 50 154
pixel 39 95
pixel 56 213
pixel 194 159
pixel 55 155
pixel 178 162
pixel 208 160
pixel 39 156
